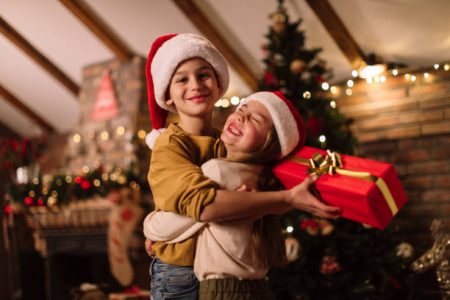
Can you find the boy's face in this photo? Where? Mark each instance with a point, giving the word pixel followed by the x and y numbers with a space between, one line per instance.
pixel 246 130
pixel 194 88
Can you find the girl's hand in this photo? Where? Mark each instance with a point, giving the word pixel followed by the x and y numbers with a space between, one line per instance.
pixel 148 247
pixel 300 197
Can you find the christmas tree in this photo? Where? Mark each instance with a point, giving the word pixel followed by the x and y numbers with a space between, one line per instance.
pixel 328 259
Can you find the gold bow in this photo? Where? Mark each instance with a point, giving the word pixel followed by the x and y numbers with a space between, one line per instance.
pixel 332 164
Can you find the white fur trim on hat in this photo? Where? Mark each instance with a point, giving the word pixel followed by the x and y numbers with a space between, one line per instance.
pixel 177 49
pixel 150 138
pixel 284 122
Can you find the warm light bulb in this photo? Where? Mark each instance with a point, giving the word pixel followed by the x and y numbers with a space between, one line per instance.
pixel 76 138
pixel 141 134
pixel 436 66
pixel 395 72
pixel 235 100
pixel 307 95
pixel 289 229
pixel 325 86
pixel 348 92
pixel 218 103
pixel 334 90
pixel 225 103
pixel 120 130
pixel 372 71
pixel 350 83
pixel 332 104
pixel 322 138
pixel 104 135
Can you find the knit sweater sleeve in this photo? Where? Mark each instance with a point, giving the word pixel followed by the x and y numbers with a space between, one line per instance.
pixel 176 180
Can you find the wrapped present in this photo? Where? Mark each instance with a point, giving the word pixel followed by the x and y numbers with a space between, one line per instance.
pixel 367 191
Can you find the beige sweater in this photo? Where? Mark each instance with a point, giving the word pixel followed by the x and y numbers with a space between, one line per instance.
pixel 224 249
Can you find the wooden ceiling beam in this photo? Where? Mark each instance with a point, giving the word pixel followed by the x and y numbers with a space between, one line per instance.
pixel 95 24
pixel 338 31
pixel 13 100
pixel 199 19
pixel 11 34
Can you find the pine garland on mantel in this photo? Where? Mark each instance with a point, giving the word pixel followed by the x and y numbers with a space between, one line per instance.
pixel 60 189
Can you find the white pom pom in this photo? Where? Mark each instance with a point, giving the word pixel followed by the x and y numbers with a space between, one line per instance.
pixel 150 138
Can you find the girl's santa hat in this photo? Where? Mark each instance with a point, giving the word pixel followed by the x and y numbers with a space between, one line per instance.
pixel 286 119
pixel 165 55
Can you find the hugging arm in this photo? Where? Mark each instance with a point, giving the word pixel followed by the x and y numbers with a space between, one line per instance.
pixel 238 205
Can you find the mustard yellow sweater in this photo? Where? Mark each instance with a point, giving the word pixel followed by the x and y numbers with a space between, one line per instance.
pixel 178 184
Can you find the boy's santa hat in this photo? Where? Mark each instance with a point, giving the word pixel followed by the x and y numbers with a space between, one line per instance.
pixel 165 55
pixel 286 119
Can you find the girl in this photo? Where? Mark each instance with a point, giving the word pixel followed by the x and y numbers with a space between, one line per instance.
pixel 232 257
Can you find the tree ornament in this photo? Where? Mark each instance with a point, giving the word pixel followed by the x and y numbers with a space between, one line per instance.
pixel 329 265
pixel 279 59
pixel 437 256
pixel 306 76
pixel 293 248
pixel 279 21
pixel 269 78
pixel 297 66
pixel 405 250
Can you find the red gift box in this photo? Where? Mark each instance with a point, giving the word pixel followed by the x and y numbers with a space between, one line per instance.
pixel 367 191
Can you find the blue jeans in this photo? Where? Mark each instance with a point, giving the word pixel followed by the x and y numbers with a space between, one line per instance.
pixel 172 282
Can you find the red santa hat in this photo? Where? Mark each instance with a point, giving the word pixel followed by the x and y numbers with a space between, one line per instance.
pixel 286 119
pixel 166 53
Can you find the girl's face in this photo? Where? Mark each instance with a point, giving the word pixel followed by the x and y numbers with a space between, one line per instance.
pixel 247 129
pixel 193 88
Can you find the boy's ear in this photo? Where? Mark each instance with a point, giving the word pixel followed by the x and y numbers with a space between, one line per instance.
pixel 169 102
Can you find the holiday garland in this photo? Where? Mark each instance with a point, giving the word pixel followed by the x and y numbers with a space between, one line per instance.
pixel 61 189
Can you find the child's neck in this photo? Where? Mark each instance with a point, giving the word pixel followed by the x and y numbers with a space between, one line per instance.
pixel 196 126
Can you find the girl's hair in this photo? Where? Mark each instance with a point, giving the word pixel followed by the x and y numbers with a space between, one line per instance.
pixel 267 236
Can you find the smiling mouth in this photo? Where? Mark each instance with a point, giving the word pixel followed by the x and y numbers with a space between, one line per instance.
pixel 198 98
pixel 234 130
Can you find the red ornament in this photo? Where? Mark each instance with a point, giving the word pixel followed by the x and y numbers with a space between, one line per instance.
pixel 315 126
pixel 8 209
pixel 126 214
pixel 28 200
pixel 329 265
pixel 78 180
pixel 269 78
pixel 40 202
pixel 85 184
pixel 320 79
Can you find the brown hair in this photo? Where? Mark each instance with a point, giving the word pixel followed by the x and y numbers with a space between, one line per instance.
pixel 267 237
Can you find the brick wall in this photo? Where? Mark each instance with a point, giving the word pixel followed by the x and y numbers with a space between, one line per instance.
pixel 129 85
pixel 408 124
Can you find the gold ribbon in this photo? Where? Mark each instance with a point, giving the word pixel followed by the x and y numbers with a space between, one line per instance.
pixel 332 164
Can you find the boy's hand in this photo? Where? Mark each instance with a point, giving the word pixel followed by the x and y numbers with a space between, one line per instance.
pixel 301 198
pixel 148 247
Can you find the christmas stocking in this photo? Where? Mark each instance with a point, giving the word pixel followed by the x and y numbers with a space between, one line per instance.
pixel 125 214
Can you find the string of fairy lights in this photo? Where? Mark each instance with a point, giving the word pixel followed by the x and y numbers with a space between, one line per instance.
pixel 412 76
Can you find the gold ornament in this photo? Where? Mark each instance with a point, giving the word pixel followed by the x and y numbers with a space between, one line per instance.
pixel 437 256
pixel 293 249
pixel 279 21
pixel 297 66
